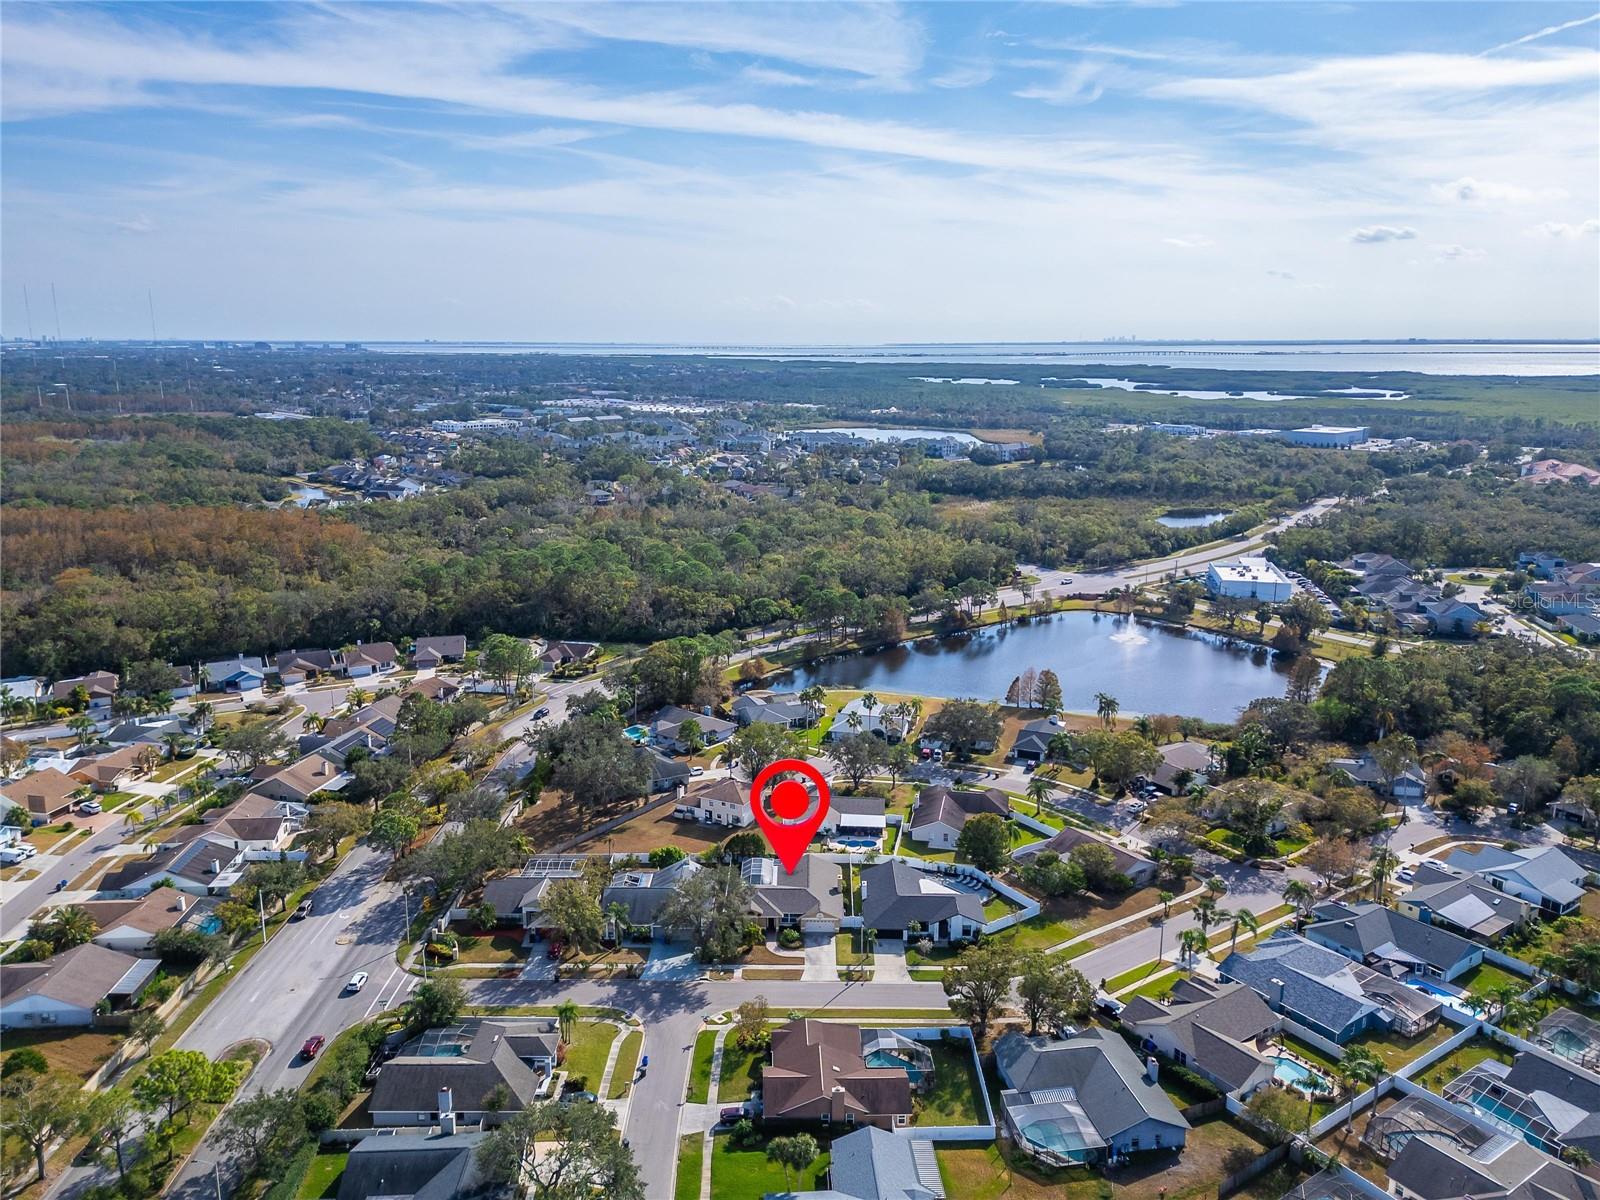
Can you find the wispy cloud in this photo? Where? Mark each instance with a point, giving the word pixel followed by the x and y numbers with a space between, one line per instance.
pixel 1370 234
pixel 1547 31
pixel 1194 241
pixel 1562 229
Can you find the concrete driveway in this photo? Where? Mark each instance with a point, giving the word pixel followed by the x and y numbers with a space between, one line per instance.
pixel 822 959
pixel 889 961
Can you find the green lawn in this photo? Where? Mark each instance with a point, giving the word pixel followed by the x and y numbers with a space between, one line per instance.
pixel 491 948
pixel 700 1066
pixel 1158 987
pixel 1040 932
pixel 1311 1054
pixel 1459 1060
pixel 627 1064
pixel 952 1097
pixel 1486 977
pixel 1128 978
pixel 586 1055
pixel 322 1180
pixel 745 1174
pixel 741 1071
pixel 691 1153
pixel 997 907
pixel 1397 1051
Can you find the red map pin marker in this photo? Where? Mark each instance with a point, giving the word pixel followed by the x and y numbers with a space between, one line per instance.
pixel 787 828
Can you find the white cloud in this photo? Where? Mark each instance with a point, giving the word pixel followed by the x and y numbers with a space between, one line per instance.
pixel 1461 253
pixel 1276 274
pixel 1193 241
pixel 1544 33
pixel 137 224
pixel 1383 233
pixel 1077 84
pixel 1561 229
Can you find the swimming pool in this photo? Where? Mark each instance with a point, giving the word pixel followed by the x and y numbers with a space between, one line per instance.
pixel 1296 1075
pixel 637 733
pixel 1566 1043
pixel 1448 999
pixel 1504 1115
pixel 865 843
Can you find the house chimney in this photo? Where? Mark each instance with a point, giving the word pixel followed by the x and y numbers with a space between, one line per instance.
pixel 1278 983
pixel 836 1103
pixel 447 1113
pixel 182 907
pixel 1152 1069
pixel 216 866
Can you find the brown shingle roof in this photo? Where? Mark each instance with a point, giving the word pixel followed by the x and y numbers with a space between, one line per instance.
pixel 43 792
pixel 81 977
pixel 811 1058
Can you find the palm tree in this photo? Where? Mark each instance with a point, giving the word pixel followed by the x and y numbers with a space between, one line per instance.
pixel 1300 894
pixel 1241 918
pixel 1106 707
pixel 1359 1068
pixel 1166 899
pixel 619 916
pixel 1038 789
pixel 173 742
pixel 816 696
pixel 201 716
pixel 870 701
pixel 567 1014
pixel 1193 944
pixel 1217 887
pixel 1518 1014
pixel 1205 913
pixel 1383 865
pixel 1578 1156
pixel 82 726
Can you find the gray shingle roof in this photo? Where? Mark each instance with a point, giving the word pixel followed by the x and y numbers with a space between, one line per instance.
pixel 1213 1024
pixel 1311 976
pixel 874 1164
pixel 1543 867
pixel 894 894
pixel 1382 933
pixel 1107 1076
pixel 430 1167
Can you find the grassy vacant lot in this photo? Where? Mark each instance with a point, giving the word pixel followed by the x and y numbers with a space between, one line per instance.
pixel 659 828
pixel 742 1174
pixel 322 1180
pixel 1071 916
pixel 952 1097
pixel 71 1051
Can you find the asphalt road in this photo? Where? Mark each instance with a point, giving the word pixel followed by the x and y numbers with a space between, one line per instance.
pixel 22 902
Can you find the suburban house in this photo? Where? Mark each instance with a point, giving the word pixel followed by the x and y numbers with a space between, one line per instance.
pixel 1541 564
pixel 715 802
pixel 1553 1103
pixel 379 718
pixel 1220 1031
pixel 667 728
pixel 100 686
pixel 1084 1099
pixel 371 658
pixel 896 896
pixel 1410 784
pixel 1438 1151
pixel 436 651
pixel 45 794
pixel 1463 904
pixel 873 1164
pixel 131 925
pixel 811 899
pixel 1182 764
pixel 108 772
pixel 1387 584
pixel 300 780
pixel 422 1166
pixel 256 822
pixel 1140 870
pixel 190 862
pixel 25 687
pixel 517 897
pixel 435 688
pixel 776 708
pixel 941 813
pixel 1249 578
pixel 239 674
pixel 1390 941
pixel 644 890
pixel 818 1072
pixel 1541 875
pixel 855 816
pixel 562 654
pixel 477 1071
pixel 1032 743
pixel 66 989
pixel 1326 992
pixel 297 666
pixel 147 731
pixel 664 773
pixel 884 720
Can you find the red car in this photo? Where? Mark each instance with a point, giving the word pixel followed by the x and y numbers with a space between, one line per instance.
pixel 312 1047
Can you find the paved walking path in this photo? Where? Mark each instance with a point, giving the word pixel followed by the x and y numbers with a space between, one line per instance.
pixel 711 1098
pixel 604 1089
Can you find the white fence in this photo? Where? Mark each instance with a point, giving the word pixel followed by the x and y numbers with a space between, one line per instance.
pixel 1329 1047
pixel 1515 965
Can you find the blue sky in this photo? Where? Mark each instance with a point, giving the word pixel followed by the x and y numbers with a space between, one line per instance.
pixel 793 173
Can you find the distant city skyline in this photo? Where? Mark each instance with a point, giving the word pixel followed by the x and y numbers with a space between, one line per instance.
pixel 801 174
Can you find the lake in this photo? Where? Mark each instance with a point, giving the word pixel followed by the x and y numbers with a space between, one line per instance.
pixel 874 434
pixel 1191 520
pixel 1150 668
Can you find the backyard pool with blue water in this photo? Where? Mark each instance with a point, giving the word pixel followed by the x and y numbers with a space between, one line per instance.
pixel 1297 1075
